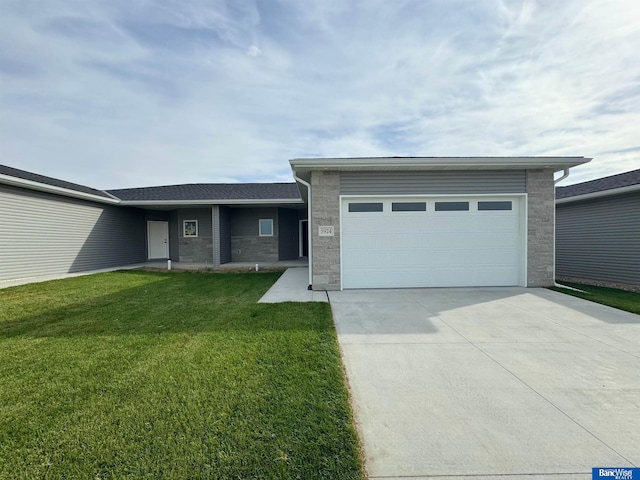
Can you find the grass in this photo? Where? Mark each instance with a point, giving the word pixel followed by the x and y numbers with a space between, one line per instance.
pixel 613 297
pixel 170 375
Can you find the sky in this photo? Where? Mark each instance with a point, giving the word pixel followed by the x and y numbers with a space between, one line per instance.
pixel 128 93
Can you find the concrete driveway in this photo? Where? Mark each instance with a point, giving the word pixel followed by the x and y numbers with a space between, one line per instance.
pixel 490 382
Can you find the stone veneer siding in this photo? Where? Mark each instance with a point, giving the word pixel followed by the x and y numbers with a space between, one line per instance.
pixel 325 204
pixel 254 249
pixel 196 249
pixel 541 228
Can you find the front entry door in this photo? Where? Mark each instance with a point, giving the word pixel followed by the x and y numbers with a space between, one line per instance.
pixel 158 240
pixel 304 238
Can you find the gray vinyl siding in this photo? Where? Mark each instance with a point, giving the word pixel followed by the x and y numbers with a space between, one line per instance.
pixel 215 227
pixel 288 246
pixel 202 215
pixel 244 221
pixel 174 236
pixel 196 249
pixel 246 243
pixel 156 215
pixel 599 239
pixel 225 234
pixel 433 183
pixel 45 234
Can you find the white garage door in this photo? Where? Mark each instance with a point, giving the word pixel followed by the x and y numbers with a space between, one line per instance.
pixel 432 242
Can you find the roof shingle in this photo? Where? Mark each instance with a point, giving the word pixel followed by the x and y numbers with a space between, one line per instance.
pixel 211 191
pixel 168 193
pixel 34 177
pixel 600 184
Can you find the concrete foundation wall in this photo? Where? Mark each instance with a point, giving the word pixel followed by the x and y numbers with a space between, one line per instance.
pixel 540 231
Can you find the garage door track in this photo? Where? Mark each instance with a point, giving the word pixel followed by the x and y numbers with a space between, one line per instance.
pixel 490 382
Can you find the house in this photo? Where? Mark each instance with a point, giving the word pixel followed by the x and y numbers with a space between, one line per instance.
pixel 49 226
pixel 363 222
pixel 598 231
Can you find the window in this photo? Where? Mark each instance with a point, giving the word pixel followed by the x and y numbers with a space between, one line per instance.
pixel 265 227
pixel 452 206
pixel 365 207
pixel 494 206
pixel 190 228
pixel 408 207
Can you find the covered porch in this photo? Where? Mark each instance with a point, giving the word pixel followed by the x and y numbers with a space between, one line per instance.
pixel 230 266
pixel 227 236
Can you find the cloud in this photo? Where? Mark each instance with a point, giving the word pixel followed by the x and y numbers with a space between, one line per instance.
pixel 116 94
pixel 253 51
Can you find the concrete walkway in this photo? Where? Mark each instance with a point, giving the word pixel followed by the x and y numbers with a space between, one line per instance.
pixel 503 383
pixel 292 287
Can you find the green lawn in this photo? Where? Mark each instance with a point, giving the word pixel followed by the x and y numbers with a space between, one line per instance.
pixel 170 375
pixel 629 301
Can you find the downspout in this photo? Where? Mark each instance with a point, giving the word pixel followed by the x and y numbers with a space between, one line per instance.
pixel 309 228
pixel 556 284
pixel 564 175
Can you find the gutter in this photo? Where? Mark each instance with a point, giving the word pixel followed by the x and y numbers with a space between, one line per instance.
pixel 309 227
pixel 43 187
pixel 602 193
pixel 565 174
pixel 450 163
pixel 204 201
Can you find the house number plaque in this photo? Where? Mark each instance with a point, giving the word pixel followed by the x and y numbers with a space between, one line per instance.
pixel 325 231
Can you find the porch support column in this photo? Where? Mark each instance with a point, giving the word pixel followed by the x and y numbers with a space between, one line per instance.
pixel 215 234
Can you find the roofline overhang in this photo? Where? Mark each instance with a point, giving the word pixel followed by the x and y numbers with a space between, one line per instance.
pixel 113 200
pixel 43 187
pixel 205 202
pixel 302 167
pixel 601 193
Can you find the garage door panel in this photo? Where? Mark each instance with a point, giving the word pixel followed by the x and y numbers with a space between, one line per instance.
pixel 495 240
pixel 438 258
pixel 432 277
pixel 426 243
pixel 390 249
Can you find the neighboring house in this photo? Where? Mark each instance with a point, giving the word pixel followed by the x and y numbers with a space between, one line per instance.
pixel 598 231
pixel 374 222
